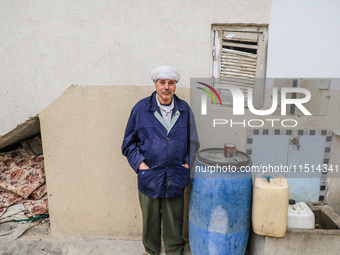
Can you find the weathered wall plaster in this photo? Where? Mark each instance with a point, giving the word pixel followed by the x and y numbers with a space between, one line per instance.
pixel 45 46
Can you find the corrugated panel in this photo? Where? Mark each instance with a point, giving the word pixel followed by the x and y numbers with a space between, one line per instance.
pixel 238 66
pixel 239 36
pixel 240 45
pixel 227 98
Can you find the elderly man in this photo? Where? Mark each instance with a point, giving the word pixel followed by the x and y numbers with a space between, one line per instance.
pixel 160 143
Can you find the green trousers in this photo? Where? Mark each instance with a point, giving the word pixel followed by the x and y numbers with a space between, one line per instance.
pixel 170 210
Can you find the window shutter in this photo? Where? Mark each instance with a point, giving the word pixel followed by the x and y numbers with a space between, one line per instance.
pixel 239 60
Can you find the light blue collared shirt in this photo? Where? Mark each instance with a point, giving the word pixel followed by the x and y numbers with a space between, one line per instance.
pixel 166 110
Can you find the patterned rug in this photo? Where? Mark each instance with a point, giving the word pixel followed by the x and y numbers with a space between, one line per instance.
pixel 22 180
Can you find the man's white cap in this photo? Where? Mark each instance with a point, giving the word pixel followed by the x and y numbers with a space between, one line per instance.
pixel 165 72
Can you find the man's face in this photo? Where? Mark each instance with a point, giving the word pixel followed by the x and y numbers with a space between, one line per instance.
pixel 165 90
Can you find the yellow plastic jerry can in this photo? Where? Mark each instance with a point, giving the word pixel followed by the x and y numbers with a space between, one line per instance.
pixel 270 205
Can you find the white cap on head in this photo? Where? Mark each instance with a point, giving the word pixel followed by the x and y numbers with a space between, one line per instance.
pixel 165 72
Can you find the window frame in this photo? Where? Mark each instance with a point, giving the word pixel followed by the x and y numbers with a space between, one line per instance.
pixel 262 44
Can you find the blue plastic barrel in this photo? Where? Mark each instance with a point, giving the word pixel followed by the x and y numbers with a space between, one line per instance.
pixel 220 204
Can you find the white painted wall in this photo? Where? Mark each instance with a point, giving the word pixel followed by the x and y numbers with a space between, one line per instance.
pixel 303 40
pixel 45 45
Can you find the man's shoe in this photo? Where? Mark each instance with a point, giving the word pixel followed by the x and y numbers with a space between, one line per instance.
pixel 146 253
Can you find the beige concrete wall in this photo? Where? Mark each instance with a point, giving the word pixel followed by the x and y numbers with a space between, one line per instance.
pixel 91 187
pixel 297 242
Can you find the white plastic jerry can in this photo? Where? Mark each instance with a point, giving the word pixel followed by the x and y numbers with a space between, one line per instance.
pixel 270 205
pixel 300 216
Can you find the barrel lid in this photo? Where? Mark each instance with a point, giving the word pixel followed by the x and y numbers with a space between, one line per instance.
pixel 213 156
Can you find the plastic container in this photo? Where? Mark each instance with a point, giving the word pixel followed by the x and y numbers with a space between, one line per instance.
pixel 220 204
pixel 300 216
pixel 270 205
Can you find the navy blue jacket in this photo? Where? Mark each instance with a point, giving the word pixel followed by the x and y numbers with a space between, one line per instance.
pixel 163 151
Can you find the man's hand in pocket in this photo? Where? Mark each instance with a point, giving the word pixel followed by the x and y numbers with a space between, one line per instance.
pixel 143 166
